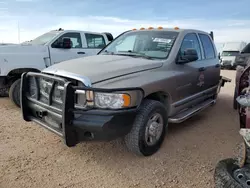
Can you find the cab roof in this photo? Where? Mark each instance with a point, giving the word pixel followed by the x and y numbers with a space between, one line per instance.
pixel 176 29
pixel 60 30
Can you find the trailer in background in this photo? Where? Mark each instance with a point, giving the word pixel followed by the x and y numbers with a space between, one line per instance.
pixel 230 51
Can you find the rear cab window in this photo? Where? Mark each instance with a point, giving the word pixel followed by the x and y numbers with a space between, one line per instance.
pixel 208 48
pixel 95 40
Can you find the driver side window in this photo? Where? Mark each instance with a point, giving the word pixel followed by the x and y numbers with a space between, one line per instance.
pixel 191 41
pixel 76 41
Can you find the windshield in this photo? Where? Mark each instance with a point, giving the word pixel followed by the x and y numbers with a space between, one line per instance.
pixel 150 44
pixel 43 39
pixel 230 53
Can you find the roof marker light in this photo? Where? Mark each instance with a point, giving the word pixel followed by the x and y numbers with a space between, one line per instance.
pixel 160 27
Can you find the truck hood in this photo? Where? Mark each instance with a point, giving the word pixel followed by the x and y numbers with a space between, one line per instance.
pixel 22 48
pixel 102 67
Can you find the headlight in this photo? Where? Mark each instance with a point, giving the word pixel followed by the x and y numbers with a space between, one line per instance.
pixel 110 100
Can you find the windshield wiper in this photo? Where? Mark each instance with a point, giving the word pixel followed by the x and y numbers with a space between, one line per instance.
pixel 132 53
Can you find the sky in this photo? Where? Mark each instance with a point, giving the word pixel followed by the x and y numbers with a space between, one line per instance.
pixel 229 19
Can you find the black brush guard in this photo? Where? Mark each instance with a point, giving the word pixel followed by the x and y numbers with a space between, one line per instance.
pixel 43 109
pixel 36 111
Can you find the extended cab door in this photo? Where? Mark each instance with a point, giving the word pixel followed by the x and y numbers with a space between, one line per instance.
pixel 188 79
pixel 60 54
pixel 210 62
pixel 93 43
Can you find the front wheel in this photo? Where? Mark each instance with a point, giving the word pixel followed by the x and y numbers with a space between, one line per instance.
pixel 14 92
pixel 148 130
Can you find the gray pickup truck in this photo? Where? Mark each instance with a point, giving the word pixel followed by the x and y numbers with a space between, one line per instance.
pixel 132 89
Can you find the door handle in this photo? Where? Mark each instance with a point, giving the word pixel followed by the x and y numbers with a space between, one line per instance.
pixel 202 69
pixel 217 65
pixel 80 52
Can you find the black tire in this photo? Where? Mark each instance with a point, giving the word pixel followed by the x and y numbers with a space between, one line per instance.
pixel 223 174
pixel 243 154
pixel 247 153
pixel 235 104
pixel 14 92
pixel 135 139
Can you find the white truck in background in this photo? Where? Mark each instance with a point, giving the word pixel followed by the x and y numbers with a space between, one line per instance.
pixel 48 49
pixel 230 51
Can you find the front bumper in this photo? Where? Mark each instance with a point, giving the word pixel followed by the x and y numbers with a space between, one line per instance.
pixel 228 66
pixel 72 124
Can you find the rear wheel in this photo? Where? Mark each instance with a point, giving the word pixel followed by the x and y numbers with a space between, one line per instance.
pixel 148 130
pixel 14 92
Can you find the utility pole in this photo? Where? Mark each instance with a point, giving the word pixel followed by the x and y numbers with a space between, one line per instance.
pixel 18 29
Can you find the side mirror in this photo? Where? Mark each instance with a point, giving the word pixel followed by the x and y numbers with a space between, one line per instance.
pixel 219 55
pixel 189 55
pixel 66 43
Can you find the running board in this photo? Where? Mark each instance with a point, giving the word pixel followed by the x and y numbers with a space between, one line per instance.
pixel 191 111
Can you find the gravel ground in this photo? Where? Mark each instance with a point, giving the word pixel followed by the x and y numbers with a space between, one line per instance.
pixel 31 156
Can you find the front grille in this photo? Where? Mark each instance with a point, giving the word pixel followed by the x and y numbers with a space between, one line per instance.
pixel 46 90
pixel 226 62
pixel 51 91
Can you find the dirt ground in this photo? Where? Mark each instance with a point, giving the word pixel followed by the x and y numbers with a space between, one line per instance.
pixel 31 156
